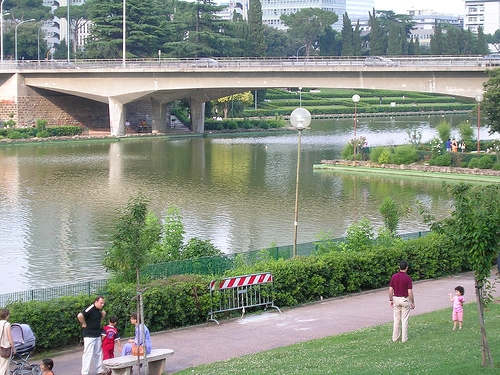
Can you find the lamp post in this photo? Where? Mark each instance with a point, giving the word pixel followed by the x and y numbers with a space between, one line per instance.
pixel 300 119
pixel 15 34
pixel 355 98
pixel 305 45
pixel 479 99
pixel 1 29
pixel 300 97
pixel 124 35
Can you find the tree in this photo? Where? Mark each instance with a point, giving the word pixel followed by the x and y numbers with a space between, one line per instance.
pixel 330 43
pixel 172 240
pixel 394 40
pixel 278 42
pixel 378 37
pixel 482 46
pixel 474 227
pixel 225 102
pixel 493 39
pixel 391 214
pixel 144 31
pixel 491 103
pixel 437 40
pixel 308 23
pixel 347 36
pixel 26 9
pixel 136 234
pixel 256 29
pixel 196 30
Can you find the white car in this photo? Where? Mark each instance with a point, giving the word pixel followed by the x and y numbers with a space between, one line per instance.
pixel 378 61
pixel 205 62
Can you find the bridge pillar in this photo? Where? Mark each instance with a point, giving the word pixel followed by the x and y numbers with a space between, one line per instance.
pixel 197 111
pixel 159 116
pixel 117 114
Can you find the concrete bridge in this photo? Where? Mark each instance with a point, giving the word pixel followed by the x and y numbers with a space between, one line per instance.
pixel 91 92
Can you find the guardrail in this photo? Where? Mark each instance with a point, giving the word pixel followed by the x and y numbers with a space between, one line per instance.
pixel 394 63
pixel 241 293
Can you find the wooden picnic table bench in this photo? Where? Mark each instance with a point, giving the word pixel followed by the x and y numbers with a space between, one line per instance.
pixel 123 365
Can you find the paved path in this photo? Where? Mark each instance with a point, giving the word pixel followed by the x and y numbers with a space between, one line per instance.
pixel 209 342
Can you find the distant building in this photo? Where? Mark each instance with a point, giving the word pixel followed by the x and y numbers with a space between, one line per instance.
pixel 273 9
pixel 485 13
pixel 357 9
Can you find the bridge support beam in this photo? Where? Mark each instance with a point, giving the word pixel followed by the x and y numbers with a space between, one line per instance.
pixel 197 111
pixel 159 116
pixel 117 114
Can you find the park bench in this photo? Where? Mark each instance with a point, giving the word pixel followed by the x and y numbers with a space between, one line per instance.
pixel 123 365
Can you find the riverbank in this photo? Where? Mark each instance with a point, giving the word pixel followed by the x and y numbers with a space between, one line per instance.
pixel 412 170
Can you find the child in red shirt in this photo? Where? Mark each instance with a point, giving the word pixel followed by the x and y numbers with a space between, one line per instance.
pixel 109 337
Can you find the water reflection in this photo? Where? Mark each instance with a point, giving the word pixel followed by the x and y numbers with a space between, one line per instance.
pixel 58 201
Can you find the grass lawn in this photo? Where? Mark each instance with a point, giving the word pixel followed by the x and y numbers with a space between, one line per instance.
pixel 433 348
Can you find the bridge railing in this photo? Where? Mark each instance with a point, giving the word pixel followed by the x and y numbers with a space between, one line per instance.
pixel 394 62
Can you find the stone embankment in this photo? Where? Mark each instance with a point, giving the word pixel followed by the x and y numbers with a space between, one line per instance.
pixel 414 167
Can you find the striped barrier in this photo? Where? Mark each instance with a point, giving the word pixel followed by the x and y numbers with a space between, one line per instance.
pixel 241 293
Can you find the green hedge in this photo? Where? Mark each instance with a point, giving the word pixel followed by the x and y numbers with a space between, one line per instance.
pixel 54 131
pixel 180 301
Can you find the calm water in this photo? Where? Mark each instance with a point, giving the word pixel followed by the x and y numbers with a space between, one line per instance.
pixel 58 202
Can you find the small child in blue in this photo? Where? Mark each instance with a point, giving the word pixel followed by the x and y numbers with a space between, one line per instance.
pixel 458 309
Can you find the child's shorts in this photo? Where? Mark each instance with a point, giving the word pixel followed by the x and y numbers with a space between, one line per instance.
pixel 457 315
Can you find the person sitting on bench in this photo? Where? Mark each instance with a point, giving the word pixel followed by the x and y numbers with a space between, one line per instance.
pixel 137 340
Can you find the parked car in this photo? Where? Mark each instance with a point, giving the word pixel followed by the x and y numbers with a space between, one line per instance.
pixel 379 61
pixel 490 60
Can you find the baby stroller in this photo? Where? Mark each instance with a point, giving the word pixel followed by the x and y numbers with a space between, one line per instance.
pixel 24 343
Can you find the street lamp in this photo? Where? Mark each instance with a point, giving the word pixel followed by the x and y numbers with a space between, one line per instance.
pixel 1 30
pixel 479 99
pixel 15 34
pixel 300 119
pixel 300 97
pixel 124 34
pixel 305 45
pixel 355 98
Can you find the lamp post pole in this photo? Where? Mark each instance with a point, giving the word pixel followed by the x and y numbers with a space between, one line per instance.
pixel 355 98
pixel 305 45
pixel 479 99
pixel 124 35
pixel 300 97
pixel 1 30
pixel 38 45
pixel 15 35
pixel 68 30
pixel 300 119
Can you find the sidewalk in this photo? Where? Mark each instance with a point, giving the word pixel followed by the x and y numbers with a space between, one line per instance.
pixel 209 342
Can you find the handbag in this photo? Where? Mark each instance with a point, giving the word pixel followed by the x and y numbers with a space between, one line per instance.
pixel 5 352
pixel 136 350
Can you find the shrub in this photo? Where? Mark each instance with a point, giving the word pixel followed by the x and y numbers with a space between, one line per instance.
pixel 496 167
pixel 441 160
pixel 15 135
pixel 385 156
pixel 486 162
pixel 474 163
pixel 43 134
pixel 405 154
pixel 375 153
pixel 348 152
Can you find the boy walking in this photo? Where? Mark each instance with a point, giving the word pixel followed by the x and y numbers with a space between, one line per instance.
pixel 109 336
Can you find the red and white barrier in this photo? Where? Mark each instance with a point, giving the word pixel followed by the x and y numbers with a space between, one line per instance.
pixel 233 282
